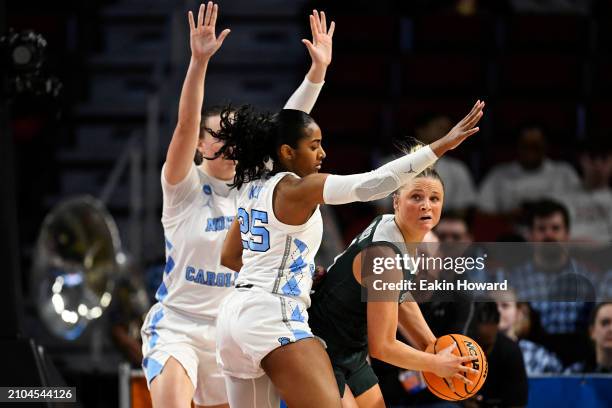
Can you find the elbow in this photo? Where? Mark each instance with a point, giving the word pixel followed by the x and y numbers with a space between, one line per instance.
pixel 230 263
pixel 378 350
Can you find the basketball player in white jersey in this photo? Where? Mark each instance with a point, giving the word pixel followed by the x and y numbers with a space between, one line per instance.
pixel 263 324
pixel 198 208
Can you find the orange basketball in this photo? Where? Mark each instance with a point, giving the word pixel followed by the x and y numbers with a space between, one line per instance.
pixel 465 347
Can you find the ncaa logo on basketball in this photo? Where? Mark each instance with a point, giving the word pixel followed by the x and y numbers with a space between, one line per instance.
pixel 473 352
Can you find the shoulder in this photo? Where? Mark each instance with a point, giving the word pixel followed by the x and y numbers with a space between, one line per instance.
pixel 372 241
pixel 386 230
pixel 284 179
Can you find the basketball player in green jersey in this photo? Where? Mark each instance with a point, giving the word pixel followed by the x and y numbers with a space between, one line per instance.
pixel 353 329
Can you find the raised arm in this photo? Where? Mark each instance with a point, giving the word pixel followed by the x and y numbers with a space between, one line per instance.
pixel 320 50
pixel 204 43
pixel 304 194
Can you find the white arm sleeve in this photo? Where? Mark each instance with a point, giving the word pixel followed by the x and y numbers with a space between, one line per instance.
pixel 378 183
pixel 304 98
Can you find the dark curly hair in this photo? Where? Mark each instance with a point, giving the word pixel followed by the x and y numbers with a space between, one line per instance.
pixel 209 112
pixel 252 138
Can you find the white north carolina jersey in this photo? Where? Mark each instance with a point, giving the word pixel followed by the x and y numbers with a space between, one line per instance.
pixel 277 257
pixel 197 213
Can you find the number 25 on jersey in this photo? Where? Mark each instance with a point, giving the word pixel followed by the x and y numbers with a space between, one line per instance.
pixel 251 226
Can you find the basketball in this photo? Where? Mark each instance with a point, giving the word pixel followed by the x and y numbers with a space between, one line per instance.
pixel 465 347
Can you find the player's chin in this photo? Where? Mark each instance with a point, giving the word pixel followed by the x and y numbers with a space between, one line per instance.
pixel 425 226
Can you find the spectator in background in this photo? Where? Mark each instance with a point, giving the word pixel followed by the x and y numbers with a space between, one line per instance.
pixel 126 313
pixel 590 204
pixel 512 323
pixel 546 276
pixel 455 234
pixel 530 177
pixel 459 190
pixel 600 331
pixel 453 227
pixel 506 384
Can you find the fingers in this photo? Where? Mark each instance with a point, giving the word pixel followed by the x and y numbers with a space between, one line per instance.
pixel 313 28
pixel 463 379
pixel 213 19
pixel 469 370
pixel 472 120
pixel 191 22
pixel 308 44
pixel 474 116
pixel 332 27
pixel 209 12
pixel 317 21
pixel 470 132
pixel 323 23
pixel 467 359
pixel 201 15
pixel 472 112
pixel 222 36
pixel 450 383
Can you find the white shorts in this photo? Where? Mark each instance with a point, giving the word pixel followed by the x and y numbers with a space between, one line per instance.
pixel 166 333
pixel 252 323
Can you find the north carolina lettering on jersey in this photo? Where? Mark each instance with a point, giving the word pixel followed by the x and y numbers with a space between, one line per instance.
pixel 219 223
pixel 210 278
pixel 254 192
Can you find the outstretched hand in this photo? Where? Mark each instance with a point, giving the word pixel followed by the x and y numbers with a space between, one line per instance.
pixel 466 126
pixel 461 131
pixel 320 49
pixel 203 40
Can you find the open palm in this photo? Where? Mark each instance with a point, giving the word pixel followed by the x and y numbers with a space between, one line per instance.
pixel 320 49
pixel 203 41
pixel 466 127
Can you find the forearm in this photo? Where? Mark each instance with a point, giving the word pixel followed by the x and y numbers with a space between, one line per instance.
pixel 402 355
pixel 192 97
pixel 185 138
pixel 306 95
pixel 192 94
pixel 413 327
pixel 378 183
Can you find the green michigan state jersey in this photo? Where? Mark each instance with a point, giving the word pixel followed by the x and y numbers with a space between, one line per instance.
pixel 338 313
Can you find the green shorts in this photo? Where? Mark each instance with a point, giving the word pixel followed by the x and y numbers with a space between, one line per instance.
pixel 351 368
